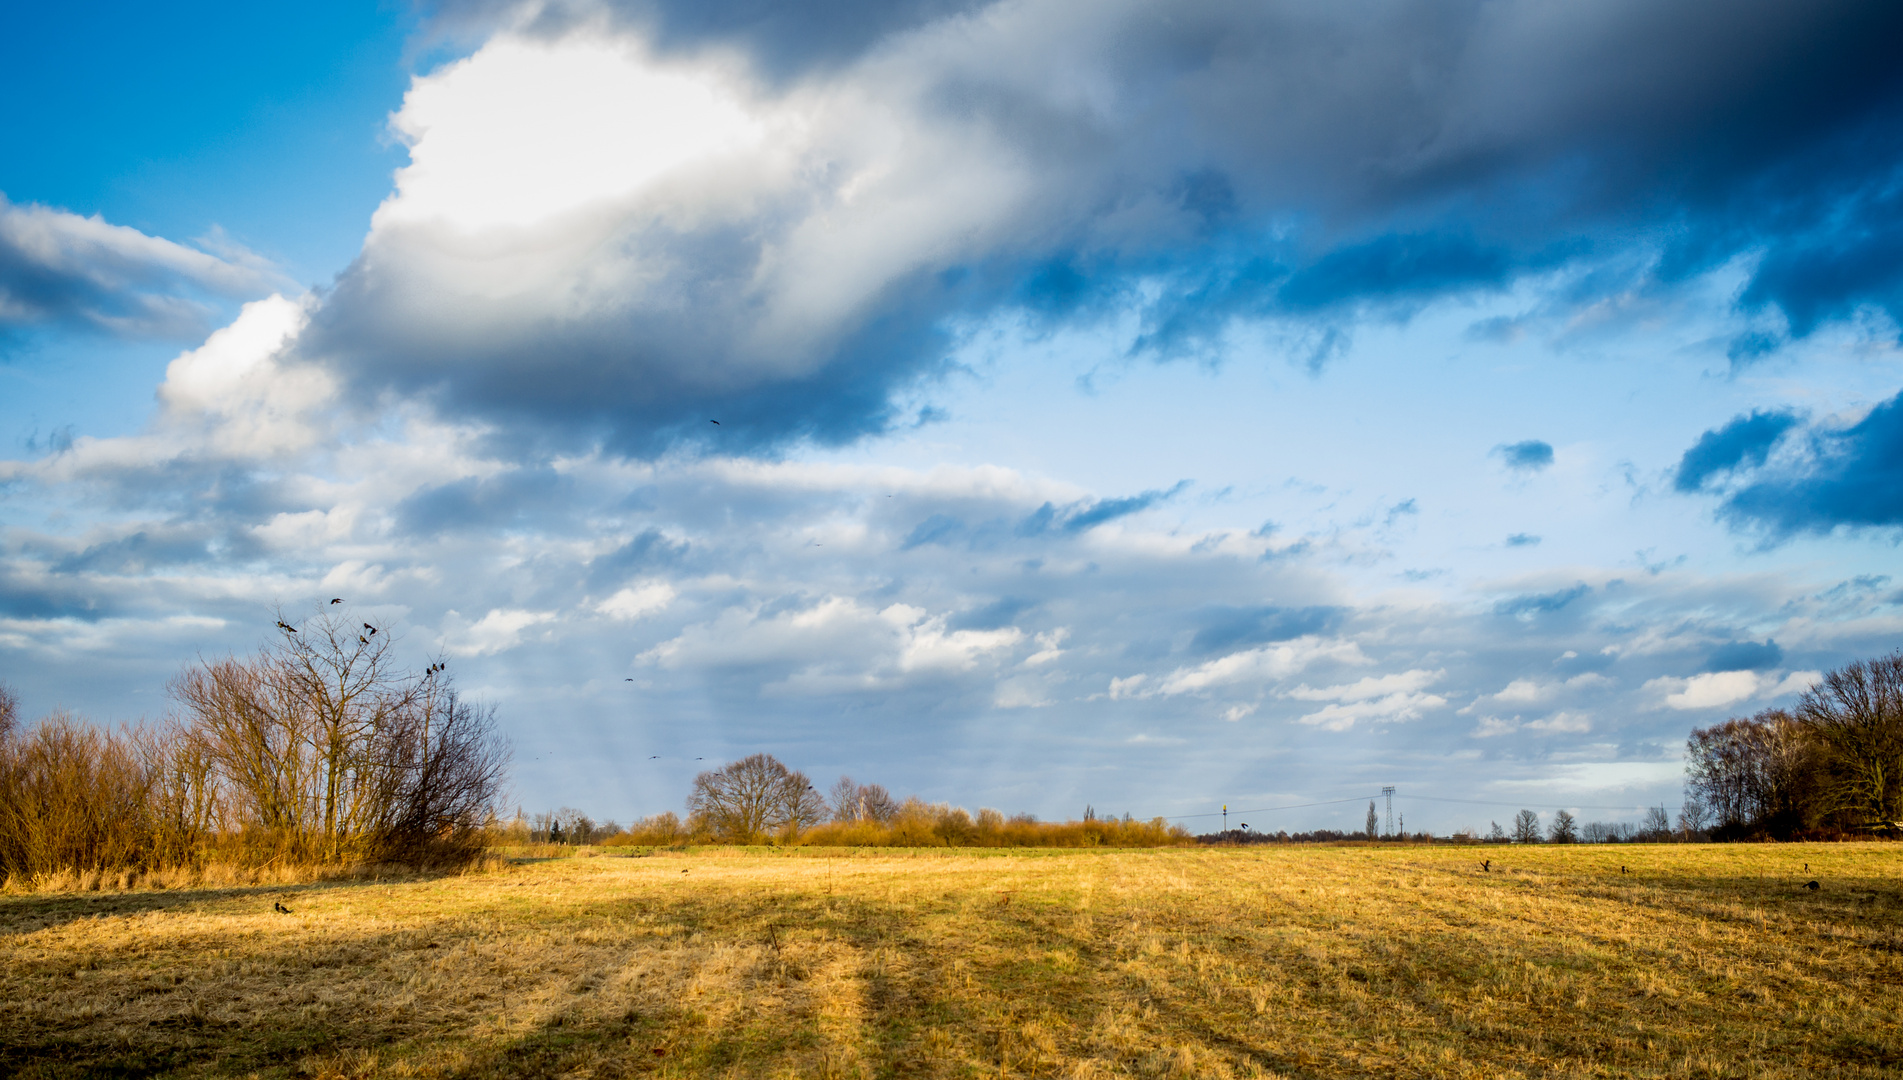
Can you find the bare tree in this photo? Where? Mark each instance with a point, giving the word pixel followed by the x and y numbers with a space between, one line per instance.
pixel 1526 827
pixel 1755 773
pixel 748 800
pixel 324 741
pixel 1496 835
pixel 1693 817
pixel 1657 824
pixel 852 801
pixel 1565 829
pixel 1856 717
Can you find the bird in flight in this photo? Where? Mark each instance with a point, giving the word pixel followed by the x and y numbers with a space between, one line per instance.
pixel 654 757
pixel 627 680
pixel 716 423
pixel 336 599
pixel 370 628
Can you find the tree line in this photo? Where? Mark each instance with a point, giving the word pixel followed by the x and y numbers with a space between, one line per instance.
pixel 759 799
pixel 1830 767
pixel 319 748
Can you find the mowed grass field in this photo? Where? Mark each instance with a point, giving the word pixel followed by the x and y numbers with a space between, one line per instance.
pixel 1288 961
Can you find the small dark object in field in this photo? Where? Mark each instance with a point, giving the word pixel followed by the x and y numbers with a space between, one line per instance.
pixel 683 871
pixel 1622 870
pixel 1486 866
pixel 1807 868
pixel 280 908
pixel 658 1052
pixel 1812 886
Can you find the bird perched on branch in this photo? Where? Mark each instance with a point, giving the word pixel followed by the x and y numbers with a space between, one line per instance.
pixel 286 627
pixel 361 640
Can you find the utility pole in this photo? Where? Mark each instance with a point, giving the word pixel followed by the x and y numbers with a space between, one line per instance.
pixel 1389 793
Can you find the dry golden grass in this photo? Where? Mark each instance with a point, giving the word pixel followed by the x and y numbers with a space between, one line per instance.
pixel 1705 961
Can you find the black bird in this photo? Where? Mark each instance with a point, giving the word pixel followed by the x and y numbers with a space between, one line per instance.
pixel 1622 870
pixel 627 680
pixel 716 423
pixel 287 627
pixel 1486 866
pixel 280 908
pixel 1812 886
pixel 370 628
pixel 1807 868
pixel 336 599
pixel 683 871
pixel 654 757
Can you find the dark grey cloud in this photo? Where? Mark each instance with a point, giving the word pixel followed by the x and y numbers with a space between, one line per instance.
pixel 1535 604
pixel 60 269
pixel 1743 442
pixel 1531 455
pixel 1299 161
pixel 1224 629
pixel 510 498
pixel 1839 477
pixel 1745 656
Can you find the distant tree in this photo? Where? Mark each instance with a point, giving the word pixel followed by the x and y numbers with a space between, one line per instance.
pixel 1693 816
pixel 852 801
pixel 1526 827
pixel 1657 824
pixel 1565 829
pixel 1855 717
pixel 748 800
pixel 1497 835
pixel 1374 822
pixel 1757 774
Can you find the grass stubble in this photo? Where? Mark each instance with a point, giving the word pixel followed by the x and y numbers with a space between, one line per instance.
pixel 1264 962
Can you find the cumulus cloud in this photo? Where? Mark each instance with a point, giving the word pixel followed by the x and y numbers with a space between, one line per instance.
pixel 59 268
pixel 622 219
pixel 1378 699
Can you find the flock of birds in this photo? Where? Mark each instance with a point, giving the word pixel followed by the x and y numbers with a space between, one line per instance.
pixel 369 632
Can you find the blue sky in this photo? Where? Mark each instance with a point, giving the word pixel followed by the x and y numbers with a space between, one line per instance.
pixel 1148 406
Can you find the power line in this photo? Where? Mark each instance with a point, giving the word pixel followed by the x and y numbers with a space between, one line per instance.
pixel 1269 809
pixel 1424 798
pixel 1521 805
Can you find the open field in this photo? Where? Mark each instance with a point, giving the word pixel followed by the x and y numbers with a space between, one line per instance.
pixel 1309 961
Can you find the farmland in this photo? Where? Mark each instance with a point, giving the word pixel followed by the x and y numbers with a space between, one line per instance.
pixel 1696 960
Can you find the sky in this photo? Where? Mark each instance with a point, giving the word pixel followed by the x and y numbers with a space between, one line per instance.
pixel 1144 406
